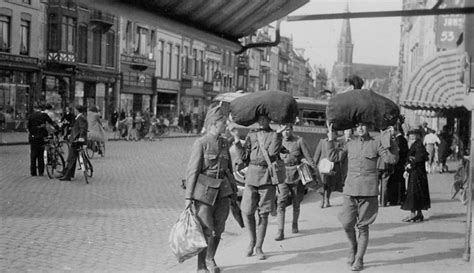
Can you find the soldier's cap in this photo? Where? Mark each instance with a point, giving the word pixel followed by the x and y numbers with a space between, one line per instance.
pixel 214 114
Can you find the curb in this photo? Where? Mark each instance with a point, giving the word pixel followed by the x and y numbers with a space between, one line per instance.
pixel 109 139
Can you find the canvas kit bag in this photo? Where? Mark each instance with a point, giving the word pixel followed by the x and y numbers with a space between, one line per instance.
pixel 305 173
pixel 206 189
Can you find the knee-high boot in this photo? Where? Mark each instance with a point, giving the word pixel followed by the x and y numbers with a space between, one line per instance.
pixel 281 224
pixel 351 237
pixel 296 215
pixel 327 195
pixel 261 231
pixel 249 221
pixel 201 261
pixel 362 243
pixel 212 245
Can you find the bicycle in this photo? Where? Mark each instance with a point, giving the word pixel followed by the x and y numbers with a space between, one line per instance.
pixel 94 146
pixel 83 161
pixel 53 156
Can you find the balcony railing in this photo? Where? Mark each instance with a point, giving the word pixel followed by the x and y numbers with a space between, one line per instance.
pixel 68 4
pixel 103 19
pixel 61 57
pixel 137 61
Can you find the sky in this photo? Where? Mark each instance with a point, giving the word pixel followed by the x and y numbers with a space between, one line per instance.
pixel 376 40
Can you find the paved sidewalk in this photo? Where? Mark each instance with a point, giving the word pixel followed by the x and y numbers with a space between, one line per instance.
pixel 21 138
pixel 435 245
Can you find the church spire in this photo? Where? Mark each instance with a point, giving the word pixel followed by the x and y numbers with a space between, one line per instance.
pixel 343 66
pixel 346 36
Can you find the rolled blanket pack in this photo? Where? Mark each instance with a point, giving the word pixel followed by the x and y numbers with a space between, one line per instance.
pixel 279 106
pixel 348 109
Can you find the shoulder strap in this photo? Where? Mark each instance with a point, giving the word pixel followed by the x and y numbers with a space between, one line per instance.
pixel 264 151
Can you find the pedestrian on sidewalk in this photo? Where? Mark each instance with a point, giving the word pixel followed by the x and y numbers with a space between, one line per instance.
pixel 431 142
pixel 37 132
pixel 444 149
pixel 360 199
pixel 292 190
pixel 418 193
pixel 331 182
pixel 210 157
pixel 396 189
pixel 259 192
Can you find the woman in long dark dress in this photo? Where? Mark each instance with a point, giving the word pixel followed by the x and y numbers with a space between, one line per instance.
pixel 418 194
pixel 396 183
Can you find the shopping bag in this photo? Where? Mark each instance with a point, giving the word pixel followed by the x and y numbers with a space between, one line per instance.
pixel 325 166
pixel 186 238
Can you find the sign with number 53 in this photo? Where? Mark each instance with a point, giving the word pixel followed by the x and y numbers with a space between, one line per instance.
pixel 450 26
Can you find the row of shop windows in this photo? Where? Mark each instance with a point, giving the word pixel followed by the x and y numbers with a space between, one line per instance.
pixel 17 95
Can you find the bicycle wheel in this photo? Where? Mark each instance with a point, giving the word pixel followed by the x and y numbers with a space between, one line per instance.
pixel 82 165
pixel 89 149
pixel 48 161
pixel 102 148
pixel 166 131
pixel 60 163
pixel 64 148
pixel 88 167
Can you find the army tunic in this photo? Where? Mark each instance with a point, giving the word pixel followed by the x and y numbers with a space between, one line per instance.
pixel 296 150
pixel 257 174
pixel 210 156
pixel 360 204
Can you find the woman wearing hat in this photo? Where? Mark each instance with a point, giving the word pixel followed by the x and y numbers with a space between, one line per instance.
pixel 418 194
pixel 210 158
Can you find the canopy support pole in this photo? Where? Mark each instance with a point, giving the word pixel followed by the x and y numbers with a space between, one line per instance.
pixel 467 244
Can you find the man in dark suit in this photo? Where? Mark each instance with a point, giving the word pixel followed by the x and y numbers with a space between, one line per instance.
pixel 37 133
pixel 78 137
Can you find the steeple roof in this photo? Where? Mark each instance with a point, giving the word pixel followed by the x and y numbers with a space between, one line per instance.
pixel 346 36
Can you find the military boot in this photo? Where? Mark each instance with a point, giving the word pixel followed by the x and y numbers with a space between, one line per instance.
pixel 361 248
pixel 212 245
pixel 261 231
pixel 281 224
pixel 296 215
pixel 249 221
pixel 201 261
pixel 351 236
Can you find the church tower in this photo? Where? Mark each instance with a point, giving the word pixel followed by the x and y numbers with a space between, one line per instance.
pixel 343 66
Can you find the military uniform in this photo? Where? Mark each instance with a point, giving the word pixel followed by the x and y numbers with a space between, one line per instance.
pixel 37 133
pixel 210 156
pixel 295 149
pixel 360 204
pixel 259 193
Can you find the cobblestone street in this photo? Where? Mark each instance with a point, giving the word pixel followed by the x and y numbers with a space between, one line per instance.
pixel 119 222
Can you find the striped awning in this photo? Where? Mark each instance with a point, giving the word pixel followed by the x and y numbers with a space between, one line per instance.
pixel 436 84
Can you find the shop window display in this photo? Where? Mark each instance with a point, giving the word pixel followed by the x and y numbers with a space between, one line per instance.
pixel 14 93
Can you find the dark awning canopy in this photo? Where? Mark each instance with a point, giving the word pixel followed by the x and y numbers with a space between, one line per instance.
pixel 229 20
